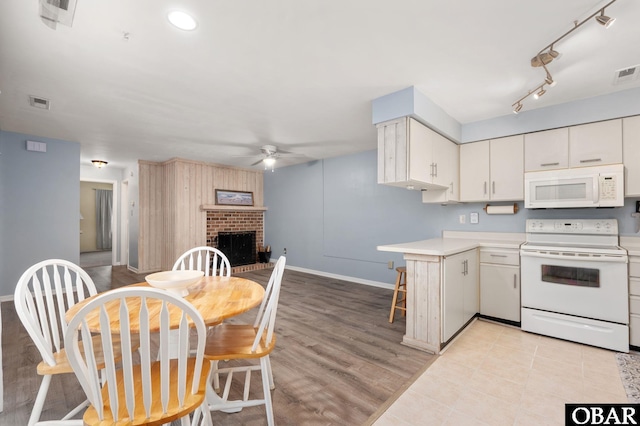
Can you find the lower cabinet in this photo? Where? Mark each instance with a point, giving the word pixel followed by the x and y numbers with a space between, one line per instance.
pixel 459 291
pixel 500 284
pixel 634 300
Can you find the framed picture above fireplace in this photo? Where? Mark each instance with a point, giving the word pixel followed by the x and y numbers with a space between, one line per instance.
pixel 234 198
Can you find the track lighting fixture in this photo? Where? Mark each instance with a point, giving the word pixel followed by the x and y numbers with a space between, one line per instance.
pixel 517 108
pixel 605 20
pixel 548 54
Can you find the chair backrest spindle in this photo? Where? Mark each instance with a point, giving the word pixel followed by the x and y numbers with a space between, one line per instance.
pixel 210 260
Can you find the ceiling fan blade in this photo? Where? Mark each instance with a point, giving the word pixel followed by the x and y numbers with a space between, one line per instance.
pixel 257 162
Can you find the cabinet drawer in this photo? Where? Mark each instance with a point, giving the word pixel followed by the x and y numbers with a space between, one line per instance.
pixel 634 269
pixel 634 330
pixel 634 305
pixel 634 286
pixel 500 257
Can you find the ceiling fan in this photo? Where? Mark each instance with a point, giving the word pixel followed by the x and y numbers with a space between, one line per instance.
pixel 270 153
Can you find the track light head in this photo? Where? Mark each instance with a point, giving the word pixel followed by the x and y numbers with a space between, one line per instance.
pixel 539 93
pixel 517 108
pixel 605 20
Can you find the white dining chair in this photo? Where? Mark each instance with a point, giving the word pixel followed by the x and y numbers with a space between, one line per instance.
pixel 43 294
pixel 243 342
pixel 210 260
pixel 149 389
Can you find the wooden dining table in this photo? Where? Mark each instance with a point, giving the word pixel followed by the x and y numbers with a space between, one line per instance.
pixel 216 298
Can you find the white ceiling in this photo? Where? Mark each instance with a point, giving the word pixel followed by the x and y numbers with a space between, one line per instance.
pixel 300 75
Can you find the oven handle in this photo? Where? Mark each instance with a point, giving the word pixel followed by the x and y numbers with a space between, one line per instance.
pixel 612 259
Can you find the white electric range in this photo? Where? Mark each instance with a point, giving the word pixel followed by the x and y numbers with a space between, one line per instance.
pixel 574 282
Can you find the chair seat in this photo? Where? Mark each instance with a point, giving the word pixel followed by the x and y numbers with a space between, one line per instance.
pixel 234 341
pixel 174 410
pixel 62 363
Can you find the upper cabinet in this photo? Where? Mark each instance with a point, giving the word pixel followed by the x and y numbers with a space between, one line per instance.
pixel 411 154
pixel 631 155
pixel 492 170
pixel 546 150
pixel 592 144
pixel 595 144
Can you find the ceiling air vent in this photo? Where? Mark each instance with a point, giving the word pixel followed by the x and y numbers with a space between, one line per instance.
pixel 41 103
pixel 626 75
pixel 55 12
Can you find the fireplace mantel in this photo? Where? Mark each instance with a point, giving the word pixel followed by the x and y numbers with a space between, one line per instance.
pixel 213 207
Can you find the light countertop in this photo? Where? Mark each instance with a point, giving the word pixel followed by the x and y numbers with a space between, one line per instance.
pixel 631 244
pixel 457 242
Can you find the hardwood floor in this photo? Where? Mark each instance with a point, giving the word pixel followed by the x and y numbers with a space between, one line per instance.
pixel 337 358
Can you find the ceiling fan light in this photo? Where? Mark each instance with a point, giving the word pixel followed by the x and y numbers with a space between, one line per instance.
pixel 269 161
pixel 182 20
pixel 605 20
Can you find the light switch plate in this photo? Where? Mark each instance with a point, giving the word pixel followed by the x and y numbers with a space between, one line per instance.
pixel 473 217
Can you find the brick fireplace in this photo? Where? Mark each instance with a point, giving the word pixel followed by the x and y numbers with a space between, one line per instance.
pixel 237 221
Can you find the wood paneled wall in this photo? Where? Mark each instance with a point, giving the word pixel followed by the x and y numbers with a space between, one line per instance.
pixel 171 193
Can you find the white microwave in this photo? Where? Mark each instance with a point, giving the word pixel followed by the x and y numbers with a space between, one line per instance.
pixel 600 186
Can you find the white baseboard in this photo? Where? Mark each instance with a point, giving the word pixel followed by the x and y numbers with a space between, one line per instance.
pixel 342 277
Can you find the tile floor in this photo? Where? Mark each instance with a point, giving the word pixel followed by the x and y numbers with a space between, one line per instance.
pixel 498 375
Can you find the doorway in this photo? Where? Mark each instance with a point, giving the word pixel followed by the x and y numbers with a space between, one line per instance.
pixel 98 224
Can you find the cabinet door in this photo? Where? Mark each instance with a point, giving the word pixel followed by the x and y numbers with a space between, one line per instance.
pixel 507 168
pixel 443 156
pixel 474 171
pixel 453 295
pixel 446 159
pixel 547 150
pixel 595 144
pixel 631 155
pixel 419 156
pixel 500 291
pixel 471 295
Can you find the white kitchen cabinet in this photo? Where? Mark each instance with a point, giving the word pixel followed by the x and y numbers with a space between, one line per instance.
pixel 631 155
pixel 474 171
pixel 459 291
pixel 546 150
pixel 492 170
pixel 595 144
pixel 412 155
pixel 500 284
pixel 634 300
pixel 446 159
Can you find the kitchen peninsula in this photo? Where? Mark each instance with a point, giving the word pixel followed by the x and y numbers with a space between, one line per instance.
pixel 443 282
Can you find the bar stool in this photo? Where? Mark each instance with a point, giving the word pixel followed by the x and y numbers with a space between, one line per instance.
pixel 401 287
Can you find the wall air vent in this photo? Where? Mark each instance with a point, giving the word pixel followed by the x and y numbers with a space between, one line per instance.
pixel 626 75
pixel 41 103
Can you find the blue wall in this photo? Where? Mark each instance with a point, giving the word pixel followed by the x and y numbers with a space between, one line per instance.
pixel 330 215
pixel 40 205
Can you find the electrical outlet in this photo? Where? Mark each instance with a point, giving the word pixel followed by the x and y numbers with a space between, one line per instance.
pixel 463 218
pixel 390 264
pixel 285 250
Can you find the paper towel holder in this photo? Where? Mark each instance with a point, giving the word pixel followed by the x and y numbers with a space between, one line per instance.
pixel 512 209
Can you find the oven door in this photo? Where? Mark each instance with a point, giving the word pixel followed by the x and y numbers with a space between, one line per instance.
pixel 594 287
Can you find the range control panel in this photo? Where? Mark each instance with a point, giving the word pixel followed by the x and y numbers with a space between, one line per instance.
pixel 573 226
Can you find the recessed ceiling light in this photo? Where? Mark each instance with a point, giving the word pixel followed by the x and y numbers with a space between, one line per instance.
pixel 182 20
